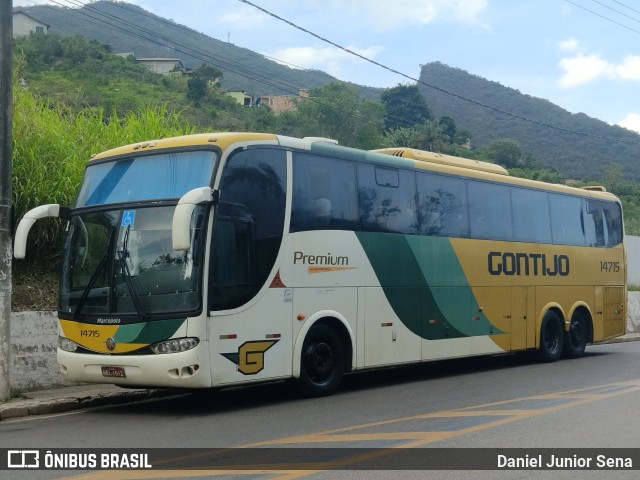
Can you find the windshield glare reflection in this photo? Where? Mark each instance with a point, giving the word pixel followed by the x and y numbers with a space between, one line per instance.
pixel 121 262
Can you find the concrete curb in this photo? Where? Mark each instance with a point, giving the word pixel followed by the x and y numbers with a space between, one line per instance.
pixel 59 401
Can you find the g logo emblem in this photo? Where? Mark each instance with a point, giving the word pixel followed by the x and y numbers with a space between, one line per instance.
pixel 250 356
pixel 110 343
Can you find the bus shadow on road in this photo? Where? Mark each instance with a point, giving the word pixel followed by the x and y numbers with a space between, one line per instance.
pixel 214 401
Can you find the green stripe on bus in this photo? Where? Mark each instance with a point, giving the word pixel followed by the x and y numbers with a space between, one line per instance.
pixel 149 332
pixel 425 285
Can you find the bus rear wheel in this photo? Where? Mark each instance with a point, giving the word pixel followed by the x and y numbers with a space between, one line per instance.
pixel 322 362
pixel 575 340
pixel 551 338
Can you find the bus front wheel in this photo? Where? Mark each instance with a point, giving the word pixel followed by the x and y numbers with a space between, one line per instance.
pixel 322 362
pixel 551 337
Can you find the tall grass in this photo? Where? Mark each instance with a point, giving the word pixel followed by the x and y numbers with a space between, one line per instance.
pixel 51 145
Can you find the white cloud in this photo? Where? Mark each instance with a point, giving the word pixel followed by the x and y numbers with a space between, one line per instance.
pixel 326 58
pixel 582 69
pixel 390 15
pixel 569 45
pixel 631 122
pixel 630 68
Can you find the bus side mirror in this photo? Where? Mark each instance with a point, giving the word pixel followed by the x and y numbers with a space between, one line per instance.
pixel 22 232
pixel 181 226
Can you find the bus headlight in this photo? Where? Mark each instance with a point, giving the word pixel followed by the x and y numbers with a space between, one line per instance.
pixel 175 345
pixel 67 345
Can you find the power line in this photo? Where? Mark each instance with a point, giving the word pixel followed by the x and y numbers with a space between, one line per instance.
pixel 264 80
pixel 194 51
pixel 126 6
pixel 167 42
pixel 626 6
pixel 616 11
pixel 602 16
pixel 102 18
pixel 442 90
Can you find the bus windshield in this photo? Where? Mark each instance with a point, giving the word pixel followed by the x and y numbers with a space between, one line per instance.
pixel 121 262
pixel 150 177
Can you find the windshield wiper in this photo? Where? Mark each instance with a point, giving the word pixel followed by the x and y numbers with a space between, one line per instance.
pixel 89 287
pixel 128 279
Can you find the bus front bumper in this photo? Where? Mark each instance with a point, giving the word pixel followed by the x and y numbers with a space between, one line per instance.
pixel 188 369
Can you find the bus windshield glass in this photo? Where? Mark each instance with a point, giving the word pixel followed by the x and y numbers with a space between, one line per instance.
pixel 121 262
pixel 149 177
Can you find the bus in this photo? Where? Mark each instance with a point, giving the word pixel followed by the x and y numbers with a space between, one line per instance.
pixel 216 260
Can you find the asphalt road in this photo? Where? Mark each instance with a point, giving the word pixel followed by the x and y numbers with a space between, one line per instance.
pixel 484 403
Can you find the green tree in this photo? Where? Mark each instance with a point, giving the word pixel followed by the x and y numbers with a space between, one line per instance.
pixel 400 137
pixel 337 111
pixel 208 73
pixel 430 136
pixel 404 106
pixel 505 152
pixel 202 79
pixel 449 127
pixel 196 89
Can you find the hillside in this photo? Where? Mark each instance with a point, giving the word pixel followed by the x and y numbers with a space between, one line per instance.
pixel 128 28
pixel 570 153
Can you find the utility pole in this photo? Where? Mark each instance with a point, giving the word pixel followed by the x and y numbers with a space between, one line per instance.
pixel 6 60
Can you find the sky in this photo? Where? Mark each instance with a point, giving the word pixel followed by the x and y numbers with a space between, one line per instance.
pixel 582 55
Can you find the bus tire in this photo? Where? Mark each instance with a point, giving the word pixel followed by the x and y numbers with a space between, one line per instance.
pixel 575 340
pixel 551 337
pixel 321 362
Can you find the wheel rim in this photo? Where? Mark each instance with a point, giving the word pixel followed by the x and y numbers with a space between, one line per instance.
pixel 320 362
pixel 551 338
pixel 577 334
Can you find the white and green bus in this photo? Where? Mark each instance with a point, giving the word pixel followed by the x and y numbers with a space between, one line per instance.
pixel 216 260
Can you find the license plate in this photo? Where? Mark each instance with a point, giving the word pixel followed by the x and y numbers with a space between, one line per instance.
pixel 117 372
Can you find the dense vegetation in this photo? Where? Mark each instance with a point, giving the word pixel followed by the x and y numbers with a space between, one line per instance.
pixel 577 145
pixel 74 97
pixel 128 28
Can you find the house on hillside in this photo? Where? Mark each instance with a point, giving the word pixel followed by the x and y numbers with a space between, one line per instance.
pixel 243 98
pixel 162 66
pixel 281 103
pixel 24 24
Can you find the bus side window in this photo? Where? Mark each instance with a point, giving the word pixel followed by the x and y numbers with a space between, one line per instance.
pixel 592 224
pixel 613 221
pixel 324 194
pixel 442 205
pixel 490 211
pixel 387 199
pixel 531 216
pixel 606 218
pixel 566 224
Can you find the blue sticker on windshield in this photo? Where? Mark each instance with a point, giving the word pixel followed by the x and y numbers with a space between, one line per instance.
pixel 128 218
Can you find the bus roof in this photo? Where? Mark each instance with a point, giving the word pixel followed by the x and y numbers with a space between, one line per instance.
pixel 222 140
pixel 441 159
pixel 393 157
